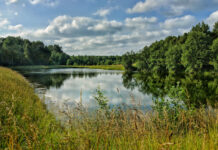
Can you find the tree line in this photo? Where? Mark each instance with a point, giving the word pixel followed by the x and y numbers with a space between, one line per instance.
pixel 94 60
pixel 194 51
pixel 15 51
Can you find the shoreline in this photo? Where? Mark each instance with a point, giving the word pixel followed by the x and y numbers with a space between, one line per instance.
pixel 104 67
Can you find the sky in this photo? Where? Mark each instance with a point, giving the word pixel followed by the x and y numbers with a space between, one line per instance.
pixel 103 27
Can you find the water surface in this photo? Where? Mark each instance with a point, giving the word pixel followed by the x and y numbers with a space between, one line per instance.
pixel 61 87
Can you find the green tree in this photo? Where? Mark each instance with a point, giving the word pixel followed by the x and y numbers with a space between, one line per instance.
pixel 215 54
pixel 173 59
pixel 196 53
pixel 128 60
pixel 215 29
pixel 201 27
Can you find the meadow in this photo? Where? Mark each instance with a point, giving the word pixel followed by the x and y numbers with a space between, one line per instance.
pixel 26 124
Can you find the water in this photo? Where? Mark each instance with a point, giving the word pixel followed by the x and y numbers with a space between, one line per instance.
pixel 61 87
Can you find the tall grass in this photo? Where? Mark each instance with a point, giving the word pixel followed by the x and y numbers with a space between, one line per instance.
pixel 25 124
pixel 24 121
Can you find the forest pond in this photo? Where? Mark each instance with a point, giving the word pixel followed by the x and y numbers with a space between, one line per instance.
pixel 68 87
pixel 59 87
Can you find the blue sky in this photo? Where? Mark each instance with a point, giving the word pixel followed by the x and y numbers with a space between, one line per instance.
pixel 102 27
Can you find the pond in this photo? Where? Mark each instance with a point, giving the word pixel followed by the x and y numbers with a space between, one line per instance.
pixel 58 87
pixel 66 88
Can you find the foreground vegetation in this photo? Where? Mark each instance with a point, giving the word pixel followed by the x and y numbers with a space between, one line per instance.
pixel 25 123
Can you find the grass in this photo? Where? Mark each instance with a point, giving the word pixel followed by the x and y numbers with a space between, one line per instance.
pixel 25 124
pixel 105 67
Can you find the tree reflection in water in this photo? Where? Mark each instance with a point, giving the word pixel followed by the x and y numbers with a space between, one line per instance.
pixel 196 90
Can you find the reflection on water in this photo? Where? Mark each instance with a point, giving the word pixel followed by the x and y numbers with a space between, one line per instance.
pixel 193 90
pixel 65 88
pixel 60 87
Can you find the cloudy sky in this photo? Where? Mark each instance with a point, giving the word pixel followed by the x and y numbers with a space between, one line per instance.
pixel 102 27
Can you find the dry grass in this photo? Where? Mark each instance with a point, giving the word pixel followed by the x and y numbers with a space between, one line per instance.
pixel 25 124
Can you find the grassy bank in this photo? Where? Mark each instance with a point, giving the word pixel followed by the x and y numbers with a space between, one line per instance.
pixel 105 67
pixel 24 121
pixel 25 124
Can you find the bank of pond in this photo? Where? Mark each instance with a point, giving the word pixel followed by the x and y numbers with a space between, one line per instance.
pixel 182 114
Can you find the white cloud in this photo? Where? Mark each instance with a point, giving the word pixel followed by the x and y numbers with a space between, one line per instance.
pixel 171 7
pixel 16 27
pixel 44 2
pixel 105 11
pixel 147 5
pixel 86 35
pixel 8 2
pixel 212 19
pixel 102 12
pixel 79 26
pixel 4 22
pixel 140 22
pixel 179 22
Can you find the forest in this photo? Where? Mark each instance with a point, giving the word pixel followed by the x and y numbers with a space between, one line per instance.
pixel 15 51
pixel 195 51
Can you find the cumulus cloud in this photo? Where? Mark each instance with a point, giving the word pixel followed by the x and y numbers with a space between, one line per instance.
pixel 102 12
pixel 4 22
pixel 8 2
pixel 147 5
pixel 140 22
pixel 16 27
pixel 171 7
pixel 86 35
pixel 44 2
pixel 67 26
pixel 179 22
pixel 212 19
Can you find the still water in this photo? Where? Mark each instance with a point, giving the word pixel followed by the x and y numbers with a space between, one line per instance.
pixel 61 87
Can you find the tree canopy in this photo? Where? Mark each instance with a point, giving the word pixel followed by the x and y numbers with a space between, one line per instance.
pixel 17 51
pixel 195 51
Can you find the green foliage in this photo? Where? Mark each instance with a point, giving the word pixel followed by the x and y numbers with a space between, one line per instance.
pixel 173 59
pixel 15 51
pixel 189 53
pixel 215 53
pixel 101 99
pixel 173 105
pixel 196 52
pixel 94 60
pixel 201 27
pixel 215 29
pixel 128 60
